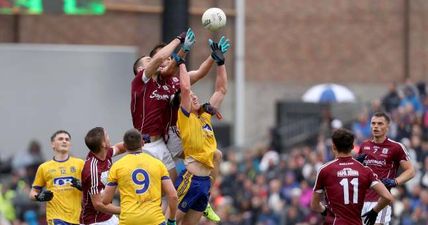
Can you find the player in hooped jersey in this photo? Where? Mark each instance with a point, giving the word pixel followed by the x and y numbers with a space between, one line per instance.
pixel 384 156
pixel 344 182
pixel 94 178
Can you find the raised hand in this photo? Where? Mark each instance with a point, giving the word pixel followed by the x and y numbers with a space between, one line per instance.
pixel 224 44
pixel 44 196
pixel 216 52
pixel 189 41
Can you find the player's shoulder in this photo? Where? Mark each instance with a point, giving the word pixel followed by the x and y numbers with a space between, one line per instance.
pixel 367 142
pixel 46 164
pixel 327 165
pixel 77 160
pixel 394 144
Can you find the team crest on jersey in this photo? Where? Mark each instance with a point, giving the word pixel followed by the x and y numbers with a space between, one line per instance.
pixel 72 169
pixel 385 151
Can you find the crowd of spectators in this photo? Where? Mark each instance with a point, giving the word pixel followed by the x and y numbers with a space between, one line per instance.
pixel 262 186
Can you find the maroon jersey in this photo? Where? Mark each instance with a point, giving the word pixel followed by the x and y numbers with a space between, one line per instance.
pixel 171 114
pixel 345 182
pixel 384 159
pixel 149 101
pixel 94 178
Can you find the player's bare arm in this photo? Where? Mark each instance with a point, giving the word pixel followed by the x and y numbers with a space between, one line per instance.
pixel 186 100
pixel 316 204
pixel 202 71
pixel 171 195
pixel 385 199
pixel 220 88
pixel 108 194
pixel 119 148
pixel 97 202
pixel 407 174
pixel 204 68
pixel 159 57
pixel 188 40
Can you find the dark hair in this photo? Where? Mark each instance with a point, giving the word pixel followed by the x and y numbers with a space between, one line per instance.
pixel 132 140
pixel 59 132
pixel 382 114
pixel 343 139
pixel 94 139
pixel 156 49
pixel 137 63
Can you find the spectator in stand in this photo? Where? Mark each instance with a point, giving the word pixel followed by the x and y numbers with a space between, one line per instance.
pixel 411 97
pixel 392 99
pixel 26 163
pixel 361 127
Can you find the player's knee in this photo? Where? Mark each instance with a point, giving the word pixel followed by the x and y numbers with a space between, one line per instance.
pixel 218 155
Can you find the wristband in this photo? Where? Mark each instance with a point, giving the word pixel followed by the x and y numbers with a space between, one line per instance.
pixel 177 59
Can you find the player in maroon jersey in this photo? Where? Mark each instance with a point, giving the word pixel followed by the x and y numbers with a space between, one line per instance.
pixel 94 178
pixel 151 95
pixel 172 136
pixel 384 156
pixel 345 181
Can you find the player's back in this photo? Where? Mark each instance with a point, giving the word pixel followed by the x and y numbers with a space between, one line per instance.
pixel 139 177
pixel 345 182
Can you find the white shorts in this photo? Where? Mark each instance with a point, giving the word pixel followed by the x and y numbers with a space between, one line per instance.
pixel 174 142
pixel 384 216
pixel 158 150
pixel 112 221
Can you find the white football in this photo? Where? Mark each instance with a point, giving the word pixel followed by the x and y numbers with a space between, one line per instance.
pixel 213 19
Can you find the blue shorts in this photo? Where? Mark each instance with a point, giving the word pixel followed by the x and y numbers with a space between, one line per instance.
pixel 193 191
pixel 58 222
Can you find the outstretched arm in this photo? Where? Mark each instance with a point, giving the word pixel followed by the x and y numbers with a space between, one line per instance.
pixel 202 71
pixel 186 99
pixel 220 87
pixel 159 57
pixel 118 148
pixel 205 67
pixel 188 42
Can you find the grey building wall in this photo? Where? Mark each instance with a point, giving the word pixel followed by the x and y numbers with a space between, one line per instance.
pixel 44 88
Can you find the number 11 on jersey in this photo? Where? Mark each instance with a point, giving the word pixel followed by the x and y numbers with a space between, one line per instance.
pixel 345 184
